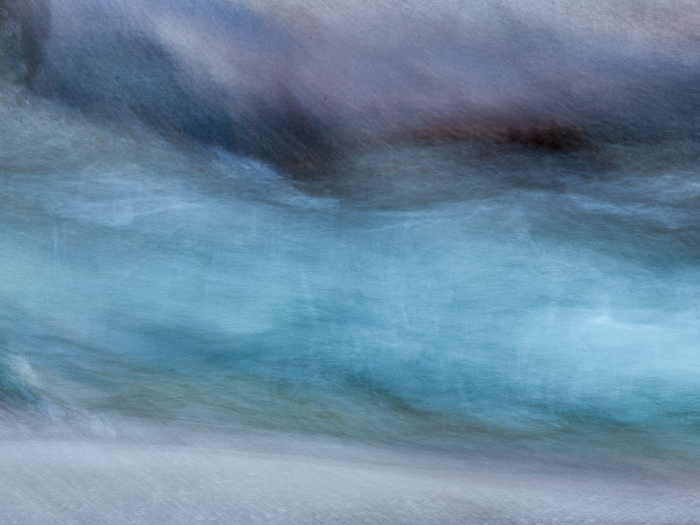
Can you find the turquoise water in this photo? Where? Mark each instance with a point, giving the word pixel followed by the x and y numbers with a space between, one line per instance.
pixel 454 295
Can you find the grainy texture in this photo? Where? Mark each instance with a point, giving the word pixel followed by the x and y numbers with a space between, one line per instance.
pixel 112 483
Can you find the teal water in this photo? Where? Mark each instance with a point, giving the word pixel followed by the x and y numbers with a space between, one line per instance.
pixel 448 295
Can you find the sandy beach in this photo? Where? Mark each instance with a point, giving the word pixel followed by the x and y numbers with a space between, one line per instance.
pixel 267 479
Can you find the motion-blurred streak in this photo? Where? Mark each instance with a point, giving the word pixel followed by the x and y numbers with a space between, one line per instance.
pixel 301 85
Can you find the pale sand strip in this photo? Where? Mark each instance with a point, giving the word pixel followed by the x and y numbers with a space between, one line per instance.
pixel 314 482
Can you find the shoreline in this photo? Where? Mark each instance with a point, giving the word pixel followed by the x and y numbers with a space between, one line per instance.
pixel 167 476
